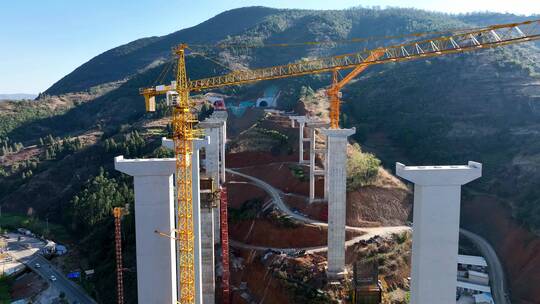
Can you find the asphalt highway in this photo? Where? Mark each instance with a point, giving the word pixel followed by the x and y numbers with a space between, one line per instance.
pixel 496 271
pixel 31 257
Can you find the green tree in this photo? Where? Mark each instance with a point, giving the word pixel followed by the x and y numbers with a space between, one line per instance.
pixel 96 201
pixel 362 168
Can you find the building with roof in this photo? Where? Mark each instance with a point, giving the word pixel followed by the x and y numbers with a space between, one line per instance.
pixel 472 288
pixel 483 298
pixel 473 280
pixel 472 260
pixel 473 269
pixel 478 277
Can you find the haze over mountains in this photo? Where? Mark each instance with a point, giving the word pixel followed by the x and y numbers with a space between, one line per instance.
pixel 17 96
pixel 483 106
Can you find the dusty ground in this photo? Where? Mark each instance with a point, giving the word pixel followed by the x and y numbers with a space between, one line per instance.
pixel 279 175
pixel 49 296
pixel 315 210
pixel 387 202
pixel 317 105
pixel 260 285
pixel 266 231
pixel 242 191
pixel 28 285
pixel 262 232
pixel 251 158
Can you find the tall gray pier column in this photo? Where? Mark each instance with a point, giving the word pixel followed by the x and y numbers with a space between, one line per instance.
pixel 154 210
pixel 437 197
pixel 337 192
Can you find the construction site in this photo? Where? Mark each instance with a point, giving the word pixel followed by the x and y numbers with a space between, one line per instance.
pixel 268 151
pixel 256 201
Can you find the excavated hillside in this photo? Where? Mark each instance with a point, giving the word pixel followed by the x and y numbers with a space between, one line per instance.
pixel 282 276
pixel 481 106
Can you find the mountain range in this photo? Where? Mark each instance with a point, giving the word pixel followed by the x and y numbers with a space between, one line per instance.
pixel 483 106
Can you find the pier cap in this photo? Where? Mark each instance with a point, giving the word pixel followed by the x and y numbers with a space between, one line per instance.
pixel 440 175
pixel 338 132
pixel 197 143
pixel 145 167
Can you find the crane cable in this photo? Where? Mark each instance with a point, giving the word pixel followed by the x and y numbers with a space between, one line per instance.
pixel 308 43
pixel 171 62
pixel 210 59
pixel 163 72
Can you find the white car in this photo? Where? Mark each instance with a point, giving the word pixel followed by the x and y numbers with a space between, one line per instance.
pixel 53 278
pixel 37 265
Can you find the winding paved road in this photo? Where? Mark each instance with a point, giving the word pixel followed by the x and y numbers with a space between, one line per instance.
pixel 496 271
pixel 72 291
pixel 368 233
pixel 30 256
pixel 497 279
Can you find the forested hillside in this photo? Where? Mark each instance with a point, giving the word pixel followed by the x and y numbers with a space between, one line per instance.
pixel 58 151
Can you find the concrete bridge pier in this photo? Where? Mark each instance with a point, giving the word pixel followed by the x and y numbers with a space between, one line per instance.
pixel 437 197
pixel 154 210
pixel 315 126
pixel 337 192
pixel 301 120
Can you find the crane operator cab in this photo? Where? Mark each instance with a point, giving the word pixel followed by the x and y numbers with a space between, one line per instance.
pixel 172 98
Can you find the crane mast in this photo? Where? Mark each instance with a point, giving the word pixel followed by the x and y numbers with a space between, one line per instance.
pixel 118 212
pixel 182 123
pixel 183 120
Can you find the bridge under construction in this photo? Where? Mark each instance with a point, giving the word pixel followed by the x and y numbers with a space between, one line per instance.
pixel 180 213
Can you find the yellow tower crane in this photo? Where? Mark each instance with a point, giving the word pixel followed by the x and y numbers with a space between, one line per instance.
pixel 183 121
pixel 118 213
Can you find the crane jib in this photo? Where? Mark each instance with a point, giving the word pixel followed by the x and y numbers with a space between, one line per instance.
pixel 343 62
pixel 183 119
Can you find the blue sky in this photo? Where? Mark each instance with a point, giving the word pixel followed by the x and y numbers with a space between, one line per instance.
pixel 43 40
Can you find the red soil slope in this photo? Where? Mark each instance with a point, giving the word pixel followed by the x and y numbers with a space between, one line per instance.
pixel 518 249
pixel 260 283
pixel 241 191
pixel 387 202
pixel 262 232
pixel 249 158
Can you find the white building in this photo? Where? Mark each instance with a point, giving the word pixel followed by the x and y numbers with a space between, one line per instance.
pixel 483 298
pixel 472 262
pixel 473 269
pixel 478 277
pixel 472 288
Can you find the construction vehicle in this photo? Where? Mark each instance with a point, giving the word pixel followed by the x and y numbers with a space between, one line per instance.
pixel 118 213
pixel 183 121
